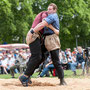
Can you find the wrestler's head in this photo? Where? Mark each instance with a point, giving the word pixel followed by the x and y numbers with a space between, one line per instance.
pixel 52 8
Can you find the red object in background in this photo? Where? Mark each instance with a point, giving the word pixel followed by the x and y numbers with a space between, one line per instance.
pixel 54 72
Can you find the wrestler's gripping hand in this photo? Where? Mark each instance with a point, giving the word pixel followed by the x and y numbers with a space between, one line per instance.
pixel 28 37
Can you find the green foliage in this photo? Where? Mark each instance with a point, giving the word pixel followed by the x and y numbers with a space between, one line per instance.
pixel 7 26
pixel 23 17
pixel 16 17
pixel 75 16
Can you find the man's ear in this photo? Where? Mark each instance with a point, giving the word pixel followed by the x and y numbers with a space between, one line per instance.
pixel 55 11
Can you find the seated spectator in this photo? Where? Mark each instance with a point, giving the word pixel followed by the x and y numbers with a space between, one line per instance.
pixel 74 64
pixel 69 52
pixel 69 60
pixel 74 52
pixel 79 61
pixel 64 61
pixel 1 67
pixel 46 69
pixel 11 63
pixel 22 57
pixel 46 61
pixel 28 52
pixel 4 64
pixel 60 55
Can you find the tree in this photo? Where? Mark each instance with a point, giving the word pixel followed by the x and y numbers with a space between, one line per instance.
pixel 74 19
pixel 7 26
pixel 23 17
pixel 16 17
pixel 15 20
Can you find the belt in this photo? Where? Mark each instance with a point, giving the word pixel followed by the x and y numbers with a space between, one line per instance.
pixel 48 34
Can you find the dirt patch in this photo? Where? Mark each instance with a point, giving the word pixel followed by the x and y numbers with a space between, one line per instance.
pixel 34 83
pixel 46 84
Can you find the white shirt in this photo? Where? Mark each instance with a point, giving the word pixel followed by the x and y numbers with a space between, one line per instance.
pixel 11 62
pixel 5 62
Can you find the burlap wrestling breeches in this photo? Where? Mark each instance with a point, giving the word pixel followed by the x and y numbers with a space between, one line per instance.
pixel 52 42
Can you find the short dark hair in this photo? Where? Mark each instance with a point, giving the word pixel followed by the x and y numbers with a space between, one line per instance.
pixel 54 6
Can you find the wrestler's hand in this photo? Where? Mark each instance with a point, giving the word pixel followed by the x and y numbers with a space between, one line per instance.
pixel 28 37
pixel 53 28
pixel 27 40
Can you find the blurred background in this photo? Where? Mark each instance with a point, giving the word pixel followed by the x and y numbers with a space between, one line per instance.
pixel 16 17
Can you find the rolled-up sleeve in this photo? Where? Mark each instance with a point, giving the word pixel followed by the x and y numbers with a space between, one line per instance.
pixel 49 19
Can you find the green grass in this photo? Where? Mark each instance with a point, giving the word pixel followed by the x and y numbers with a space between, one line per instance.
pixel 67 74
pixel 7 76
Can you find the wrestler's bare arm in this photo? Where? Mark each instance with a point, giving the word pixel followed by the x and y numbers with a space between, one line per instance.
pixel 54 29
pixel 27 37
pixel 42 25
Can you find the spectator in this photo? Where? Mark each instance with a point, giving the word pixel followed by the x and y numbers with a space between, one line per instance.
pixel 66 51
pixel 23 60
pixel 64 61
pixel 4 64
pixel 1 67
pixel 80 59
pixel 74 52
pixel 47 68
pixel 14 64
pixel 60 55
pixel 74 64
pixel 11 63
pixel 46 61
pixel 69 52
pixel 69 59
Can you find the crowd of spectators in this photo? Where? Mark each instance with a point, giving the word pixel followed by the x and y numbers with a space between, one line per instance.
pixel 68 60
pixel 73 60
pixel 15 61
